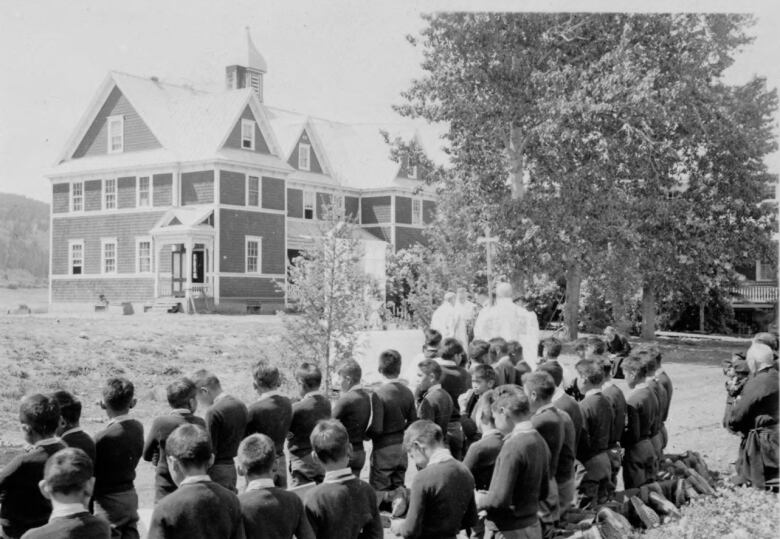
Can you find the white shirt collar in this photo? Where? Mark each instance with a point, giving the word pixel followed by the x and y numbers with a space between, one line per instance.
pixel 445 362
pixel 71 431
pixel 640 385
pixel 259 484
pixel 60 510
pixel 440 455
pixel 47 441
pixel 355 387
pixel 434 386
pixel 195 479
pixel 338 476
pixel 269 394
pixel 606 384
pixel 311 394
pixel 558 393
pixel 523 426
pixel 490 432
pixel 177 411
pixel 593 391
pixel 659 370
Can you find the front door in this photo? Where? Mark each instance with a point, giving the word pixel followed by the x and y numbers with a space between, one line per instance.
pixel 198 266
pixel 178 278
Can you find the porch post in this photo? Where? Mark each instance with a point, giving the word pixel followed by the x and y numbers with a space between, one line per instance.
pixel 188 246
pixel 156 262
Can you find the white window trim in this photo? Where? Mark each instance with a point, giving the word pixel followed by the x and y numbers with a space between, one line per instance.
pixel 71 243
pixel 70 196
pixel 121 120
pixel 103 243
pixel 103 194
pixel 138 242
pixel 419 221
pixel 138 191
pixel 259 192
pixel 244 123
pixel 313 204
pixel 759 277
pixel 259 241
pixel 304 146
pixel 411 171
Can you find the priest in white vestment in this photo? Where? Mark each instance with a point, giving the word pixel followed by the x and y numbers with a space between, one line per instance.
pixel 511 322
pixel 445 318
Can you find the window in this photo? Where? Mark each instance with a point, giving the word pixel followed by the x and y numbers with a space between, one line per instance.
pixel 253 191
pixel 338 205
pixel 109 194
pixel 76 257
pixel 144 192
pixel 77 196
pixel 248 134
pixel 116 134
pixel 416 211
pixel 254 247
pixel 411 172
pixel 765 271
pixel 108 259
pixel 143 255
pixel 308 204
pixel 304 156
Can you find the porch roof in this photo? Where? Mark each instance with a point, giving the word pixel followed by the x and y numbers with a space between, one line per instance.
pixel 186 221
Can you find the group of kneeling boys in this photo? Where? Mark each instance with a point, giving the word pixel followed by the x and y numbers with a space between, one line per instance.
pixel 501 451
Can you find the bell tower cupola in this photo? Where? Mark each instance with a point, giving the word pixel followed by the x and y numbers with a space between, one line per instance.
pixel 248 69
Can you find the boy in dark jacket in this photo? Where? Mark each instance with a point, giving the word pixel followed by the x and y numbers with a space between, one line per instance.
pixel 69 430
pixel 312 407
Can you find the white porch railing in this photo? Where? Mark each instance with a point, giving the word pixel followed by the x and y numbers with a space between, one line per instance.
pixel 756 293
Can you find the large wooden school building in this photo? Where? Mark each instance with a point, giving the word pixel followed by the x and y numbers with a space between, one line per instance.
pixel 165 192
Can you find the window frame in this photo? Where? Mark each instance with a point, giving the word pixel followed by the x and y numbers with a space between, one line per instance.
pixel 248 123
pixel 307 146
pixel 72 197
pixel 339 204
pixel 313 195
pixel 71 244
pixel 138 192
pixel 259 256
pixel 419 203
pixel 109 133
pixel 138 242
pixel 259 191
pixel 104 193
pixel 103 258
pixel 760 277
pixel 412 172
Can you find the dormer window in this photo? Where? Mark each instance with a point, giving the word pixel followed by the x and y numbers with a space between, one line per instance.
pixel 411 172
pixel 248 134
pixel 116 134
pixel 304 156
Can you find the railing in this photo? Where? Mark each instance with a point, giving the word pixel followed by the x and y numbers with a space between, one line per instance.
pixel 756 293
pixel 200 291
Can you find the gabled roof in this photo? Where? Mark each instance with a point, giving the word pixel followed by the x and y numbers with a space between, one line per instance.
pixel 185 219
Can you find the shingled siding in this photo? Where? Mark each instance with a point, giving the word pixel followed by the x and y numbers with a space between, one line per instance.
pixel 324 200
pixel 403 210
pixel 375 210
pixel 197 187
pixel 232 187
pixel 273 193
pixel 137 135
pixel 125 227
pixel 406 237
pixel 60 198
pixel 384 233
pixel 235 225
pixel 352 207
pixel 295 203
pixel 163 189
pixel 429 211
pixel 234 139
pixel 126 192
pixel 314 163
pixel 115 290
pixel 93 190
pixel 250 288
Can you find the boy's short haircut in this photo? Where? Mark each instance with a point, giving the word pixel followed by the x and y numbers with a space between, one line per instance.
pixel 483 372
pixel 429 366
pixel 581 347
pixel 554 369
pixel 68 470
pixel 597 346
pixel 203 378
pixel 390 363
pixel 350 368
pixel 634 364
pixel 451 349
pixel 647 357
pixel 591 371
pixel 180 392
pixel 70 406
pixel 190 445
pixel 309 375
pixel 41 413
pixel 485 405
pixel 541 383
pixel 552 347
pixel 256 453
pixel 266 375
pixel 432 338
pixel 118 393
pixel 329 440
pixel 515 351
pixel 424 431
pixel 497 348
pixel 515 403
pixel 479 350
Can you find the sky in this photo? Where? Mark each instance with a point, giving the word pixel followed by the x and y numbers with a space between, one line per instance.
pixel 346 60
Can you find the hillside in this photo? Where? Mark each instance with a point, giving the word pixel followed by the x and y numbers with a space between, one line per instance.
pixel 24 240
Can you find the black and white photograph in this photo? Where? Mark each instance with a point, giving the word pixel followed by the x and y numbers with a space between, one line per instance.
pixel 363 269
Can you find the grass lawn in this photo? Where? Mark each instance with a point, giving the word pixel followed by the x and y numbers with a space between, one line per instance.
pixel 47 352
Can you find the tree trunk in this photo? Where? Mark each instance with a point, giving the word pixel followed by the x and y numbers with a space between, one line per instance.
pixel 571 313
pixel 648 312
pixel 701 317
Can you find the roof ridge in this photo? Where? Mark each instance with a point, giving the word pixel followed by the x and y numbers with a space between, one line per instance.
pixel 160 82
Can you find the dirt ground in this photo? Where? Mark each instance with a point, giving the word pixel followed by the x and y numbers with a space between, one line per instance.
pixel 41 353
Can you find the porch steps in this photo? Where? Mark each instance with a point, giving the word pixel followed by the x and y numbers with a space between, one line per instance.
pixel 167 304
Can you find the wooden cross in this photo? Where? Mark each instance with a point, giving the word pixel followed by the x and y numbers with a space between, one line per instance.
pixel 488 240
